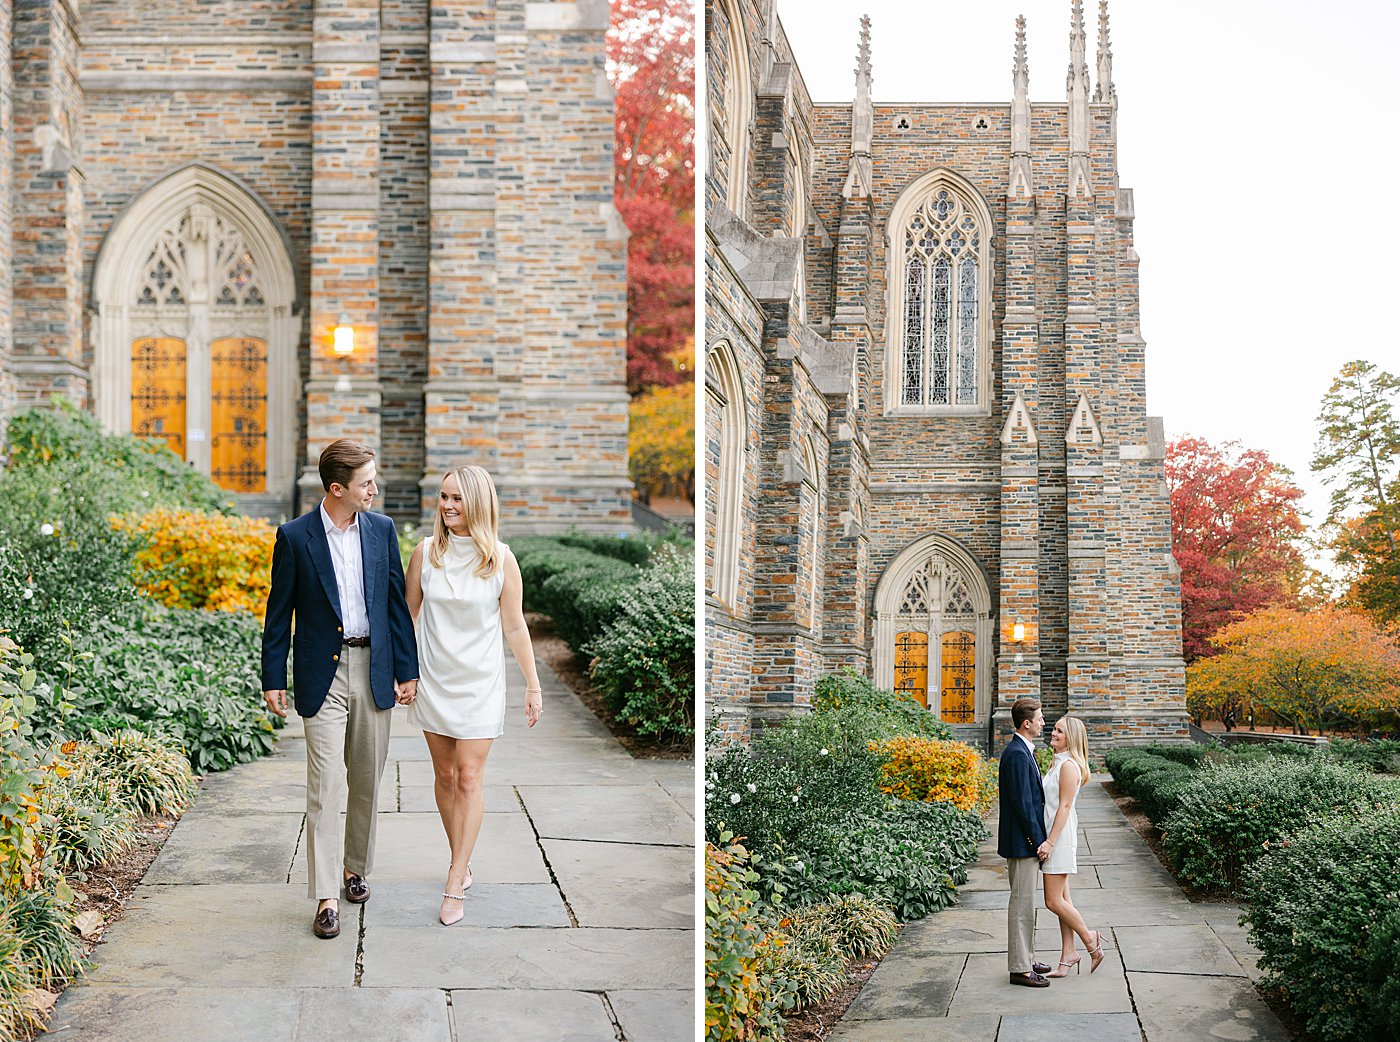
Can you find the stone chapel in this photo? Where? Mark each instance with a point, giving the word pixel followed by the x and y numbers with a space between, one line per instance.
pixel 250 228
pixel 926 441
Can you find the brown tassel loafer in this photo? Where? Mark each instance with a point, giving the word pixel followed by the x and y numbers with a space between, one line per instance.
pixel 326 924
pixel 1030 980
pixel 356 890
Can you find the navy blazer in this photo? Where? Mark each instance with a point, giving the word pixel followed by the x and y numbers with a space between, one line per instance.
pixel 1022 803
pixel 303 585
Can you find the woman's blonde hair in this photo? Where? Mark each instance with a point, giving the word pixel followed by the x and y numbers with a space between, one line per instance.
pixel 1077 744
pixel 481 511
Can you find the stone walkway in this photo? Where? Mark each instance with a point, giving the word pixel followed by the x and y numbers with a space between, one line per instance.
pixel 579 927
pixel 1173 971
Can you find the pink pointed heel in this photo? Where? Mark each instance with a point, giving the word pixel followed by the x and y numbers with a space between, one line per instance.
pixel 1063 969
pixel 1096 953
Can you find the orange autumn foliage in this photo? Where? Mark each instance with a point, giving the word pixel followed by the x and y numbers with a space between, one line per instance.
pixel 197 560
pixel 1325 668
pixel 930 770
pixel 661 440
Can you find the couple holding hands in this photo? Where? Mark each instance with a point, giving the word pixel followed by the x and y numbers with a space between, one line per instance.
pixel 368 637
pixel 1038 834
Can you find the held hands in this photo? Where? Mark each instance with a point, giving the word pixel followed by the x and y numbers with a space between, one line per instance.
pixel 534 706
pixel 1043 851
pixel 406 692
pixel 277 702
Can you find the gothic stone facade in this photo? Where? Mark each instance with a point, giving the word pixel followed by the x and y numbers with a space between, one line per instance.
pixel 927 450
pixel 193 197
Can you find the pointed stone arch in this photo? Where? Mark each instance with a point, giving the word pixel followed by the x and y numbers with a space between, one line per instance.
pixel 936 586
pixel 725 401
pixel 736 104
pixel 192 217
pixel 909 215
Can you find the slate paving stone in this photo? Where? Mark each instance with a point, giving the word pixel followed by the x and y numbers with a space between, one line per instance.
pixel 919 987
pixel 547 769
pixel 1082 1027
pixel 1148 906
pixel 214 848
pixel 537 1016
pixel 984 986
pixel 357 1015
pixel 1134 874
pixel 659 882
pixel 501 905
pixel 413 848
pixel 103 1013
pixel 235 935
pixel 957 929
pixel 618 814
pixel 1177 1008
pixel 982 1028
pixel 1189 949
pixel 544 959
pixel 655 1016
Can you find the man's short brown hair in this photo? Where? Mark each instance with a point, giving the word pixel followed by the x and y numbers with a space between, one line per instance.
pixel 1022 710
pixel 339 461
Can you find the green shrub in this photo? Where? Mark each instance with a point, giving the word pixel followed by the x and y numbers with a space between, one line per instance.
pixel 584 601
pixel 911 856
pixel 187 675
pixel 743 999
pixel 809 964
pixel 645 658
pixel 1230 815
pixel 141 474
pixel 141 772
pixel 1382 956
pixel 18 1015
pixel 1160 791
pixel 633 547
pixel 52 950
pixel 1381 756
pixel 87 822
pixel 1321 911
pixel 26 772
pixel 542 559
pixel 861 928
pixel 875 713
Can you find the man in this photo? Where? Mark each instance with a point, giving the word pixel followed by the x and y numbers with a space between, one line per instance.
pixel 337 570
pixel 1021 831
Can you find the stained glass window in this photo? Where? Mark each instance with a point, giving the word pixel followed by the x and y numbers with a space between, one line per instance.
pixel 941 335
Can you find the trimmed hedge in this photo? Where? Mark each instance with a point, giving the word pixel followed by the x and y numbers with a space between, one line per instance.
pixel 1230 816
pixel 1381 756
pixel 1323 911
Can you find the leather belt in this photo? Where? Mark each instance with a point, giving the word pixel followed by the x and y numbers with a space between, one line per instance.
pixel 355 642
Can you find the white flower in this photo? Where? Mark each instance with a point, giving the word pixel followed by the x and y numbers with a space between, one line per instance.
pixel 824 752
pixel 794 799
pixel 733 797
pixel 752 787
pixel 800 866
pixel 145 494
pixel 28 593
pixel 46 529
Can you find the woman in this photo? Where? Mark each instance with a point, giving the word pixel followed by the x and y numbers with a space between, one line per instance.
pixel 1068 773
pixel 464 592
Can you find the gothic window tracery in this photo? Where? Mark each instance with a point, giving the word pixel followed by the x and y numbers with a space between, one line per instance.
pixel 940 328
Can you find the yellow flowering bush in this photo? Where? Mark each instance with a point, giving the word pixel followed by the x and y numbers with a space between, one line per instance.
pixel 196 560
pixel 930 770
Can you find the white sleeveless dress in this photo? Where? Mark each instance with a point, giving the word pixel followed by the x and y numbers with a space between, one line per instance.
pixel 1065 857
pixel 461 651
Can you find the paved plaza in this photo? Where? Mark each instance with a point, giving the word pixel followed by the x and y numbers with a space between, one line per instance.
pixel 1173 971
pixel 579 926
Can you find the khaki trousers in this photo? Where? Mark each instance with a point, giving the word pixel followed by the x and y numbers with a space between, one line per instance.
pixel 346 741
pixel 1023 872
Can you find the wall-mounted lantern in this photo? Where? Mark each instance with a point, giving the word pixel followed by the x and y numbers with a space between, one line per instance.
pixel 343 336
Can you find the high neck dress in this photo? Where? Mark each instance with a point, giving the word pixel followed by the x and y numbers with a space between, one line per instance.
pixel 461 652
pixel 1064 858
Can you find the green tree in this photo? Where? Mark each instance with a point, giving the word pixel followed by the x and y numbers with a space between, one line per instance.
pixel 1358 456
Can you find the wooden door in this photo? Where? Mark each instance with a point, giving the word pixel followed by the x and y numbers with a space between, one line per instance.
pixel 158 391
pixel 911 664
pixel 958 704
pixel 238 413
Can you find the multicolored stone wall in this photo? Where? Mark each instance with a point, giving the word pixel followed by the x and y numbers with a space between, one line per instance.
pixel 444 178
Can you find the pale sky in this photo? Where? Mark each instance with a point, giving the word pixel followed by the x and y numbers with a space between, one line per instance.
pixel 1261 141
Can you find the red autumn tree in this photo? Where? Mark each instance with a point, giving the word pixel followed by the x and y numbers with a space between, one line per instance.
pixel 1235 530
pixel 651 61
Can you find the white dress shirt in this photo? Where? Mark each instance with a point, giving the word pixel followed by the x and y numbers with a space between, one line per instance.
pixel 349 574
pixel 1029 744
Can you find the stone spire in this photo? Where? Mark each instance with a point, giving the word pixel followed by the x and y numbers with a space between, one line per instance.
pixel 858 177
pixel 1103 90
pixel 1077 89
pixel 1021 184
